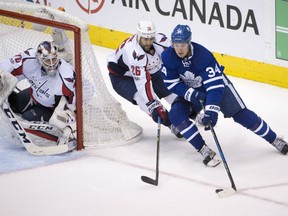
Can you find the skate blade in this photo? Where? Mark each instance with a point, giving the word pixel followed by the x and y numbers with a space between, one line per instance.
pixel 214 162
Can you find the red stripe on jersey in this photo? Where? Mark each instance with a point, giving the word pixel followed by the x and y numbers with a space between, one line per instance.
pixel 18 71
pixel 66 92
pixel 148 86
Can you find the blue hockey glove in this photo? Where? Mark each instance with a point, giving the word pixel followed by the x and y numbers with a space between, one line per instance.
pixel 210 116
pixel 156 109
pixel 194 96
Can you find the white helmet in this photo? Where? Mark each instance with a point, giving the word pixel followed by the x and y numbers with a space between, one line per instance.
pixel 47 55
pixel 146 29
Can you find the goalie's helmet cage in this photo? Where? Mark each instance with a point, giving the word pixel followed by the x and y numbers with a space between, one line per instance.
pixel 47 55
pixel 181 34
pixel 101 121
pixel 146 29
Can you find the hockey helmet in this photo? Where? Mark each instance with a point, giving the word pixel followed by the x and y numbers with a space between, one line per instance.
pixel 181 34
pixel 47 55
pixel 146 29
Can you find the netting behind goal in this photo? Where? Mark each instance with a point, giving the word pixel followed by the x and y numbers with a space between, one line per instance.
pixel 100 119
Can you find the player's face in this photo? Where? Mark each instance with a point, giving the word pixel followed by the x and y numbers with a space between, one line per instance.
pixel 181 49
pixel 146 43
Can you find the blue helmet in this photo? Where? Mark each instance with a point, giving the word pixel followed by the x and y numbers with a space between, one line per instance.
pixel 181 34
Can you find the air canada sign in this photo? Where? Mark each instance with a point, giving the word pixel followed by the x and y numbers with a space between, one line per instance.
pixel 207 11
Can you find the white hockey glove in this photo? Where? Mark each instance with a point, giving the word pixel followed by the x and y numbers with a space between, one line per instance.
pixel 64 119
pixel 62 116
pixel 1 83
pixel 7 84
pixel 61 39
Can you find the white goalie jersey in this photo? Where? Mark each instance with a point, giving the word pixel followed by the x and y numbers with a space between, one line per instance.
pixel 43 88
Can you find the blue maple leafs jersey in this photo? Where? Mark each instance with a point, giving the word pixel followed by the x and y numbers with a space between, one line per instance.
pixel 200 71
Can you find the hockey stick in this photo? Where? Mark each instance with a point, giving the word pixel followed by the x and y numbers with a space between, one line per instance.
pixel 223 192
pixel 26 140
pixel 149 180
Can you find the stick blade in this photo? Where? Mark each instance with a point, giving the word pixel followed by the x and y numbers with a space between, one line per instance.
pixel 225 192
pixel 149 180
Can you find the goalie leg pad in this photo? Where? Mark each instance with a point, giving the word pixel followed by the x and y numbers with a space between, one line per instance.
pixel 67 138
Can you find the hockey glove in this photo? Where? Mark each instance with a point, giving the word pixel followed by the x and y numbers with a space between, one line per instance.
pixel 194 96
pixel 210 116
pixel 156 109
pixel 1 83
pixel 7 84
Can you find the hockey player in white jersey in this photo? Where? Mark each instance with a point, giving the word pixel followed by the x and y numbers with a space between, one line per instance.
pixel 135 71
pixel 51 94
pixel 192 72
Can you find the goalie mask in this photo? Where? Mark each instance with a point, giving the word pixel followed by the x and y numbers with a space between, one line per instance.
pixel 47 55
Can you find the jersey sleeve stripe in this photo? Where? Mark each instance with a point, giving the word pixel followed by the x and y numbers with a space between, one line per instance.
pixel 215 87
pixel 212 80
pixel 172 86
pixel 171 80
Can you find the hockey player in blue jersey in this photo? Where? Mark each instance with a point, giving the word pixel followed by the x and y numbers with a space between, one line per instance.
pixel 192 72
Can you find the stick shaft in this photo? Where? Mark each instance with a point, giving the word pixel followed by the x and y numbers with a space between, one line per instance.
pixel 148 179
pixel 158 148
pixel 223 158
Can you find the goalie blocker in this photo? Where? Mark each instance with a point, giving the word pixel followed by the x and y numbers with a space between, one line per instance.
pixel 7 84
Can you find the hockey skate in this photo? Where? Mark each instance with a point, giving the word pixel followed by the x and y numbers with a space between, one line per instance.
pixel 209 156
pixel 280 145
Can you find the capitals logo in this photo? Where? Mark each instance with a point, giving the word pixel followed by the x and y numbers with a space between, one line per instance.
pixel 90 6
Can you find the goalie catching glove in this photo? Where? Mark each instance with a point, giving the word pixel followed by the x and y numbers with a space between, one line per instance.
pixel 65 119
pixel 156 109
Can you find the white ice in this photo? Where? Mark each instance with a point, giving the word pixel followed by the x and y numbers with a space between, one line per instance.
pixel 106 182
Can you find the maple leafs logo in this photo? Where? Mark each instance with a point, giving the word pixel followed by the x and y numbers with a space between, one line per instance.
pixel 189 79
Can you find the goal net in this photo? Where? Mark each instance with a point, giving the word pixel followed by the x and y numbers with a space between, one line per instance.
pixel 101 121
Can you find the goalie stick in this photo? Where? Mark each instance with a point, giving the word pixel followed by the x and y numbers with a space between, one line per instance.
pixel 29 145
pixel 149 180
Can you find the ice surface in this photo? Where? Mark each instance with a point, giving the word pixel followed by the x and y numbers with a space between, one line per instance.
pixel 106 182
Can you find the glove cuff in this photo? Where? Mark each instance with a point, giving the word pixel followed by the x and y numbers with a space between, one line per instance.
pixel 188 94
pixel 151 105
pixel 212 108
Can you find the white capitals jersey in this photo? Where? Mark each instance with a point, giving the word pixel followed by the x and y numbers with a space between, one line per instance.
pixel 139 64
pixel 43 88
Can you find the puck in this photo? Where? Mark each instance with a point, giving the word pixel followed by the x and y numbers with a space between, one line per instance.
pixel 218 190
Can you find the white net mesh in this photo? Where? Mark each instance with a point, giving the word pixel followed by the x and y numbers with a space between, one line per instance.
pixel 104 121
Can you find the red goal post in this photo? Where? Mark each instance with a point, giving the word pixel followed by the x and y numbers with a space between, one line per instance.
pixel 101 121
